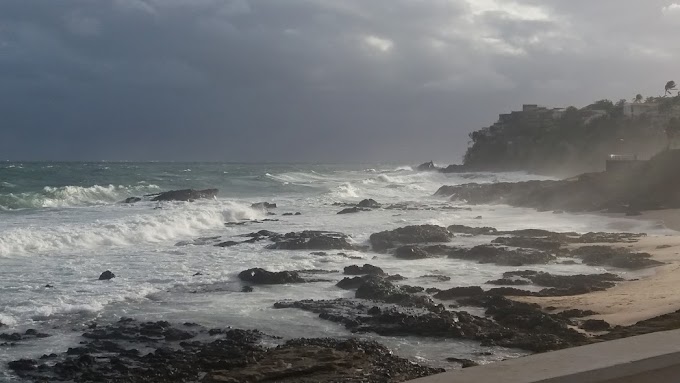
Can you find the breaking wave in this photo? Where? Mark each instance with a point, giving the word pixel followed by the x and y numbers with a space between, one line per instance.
pixel 180 220
pixel 67 196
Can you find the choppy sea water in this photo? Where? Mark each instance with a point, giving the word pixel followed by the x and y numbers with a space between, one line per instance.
pixel 62 224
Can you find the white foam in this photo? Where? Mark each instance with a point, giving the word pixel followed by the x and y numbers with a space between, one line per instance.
pixel 68 196
pixel 175 220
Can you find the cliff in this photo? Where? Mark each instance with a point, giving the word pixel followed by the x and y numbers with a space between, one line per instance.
pixel 570 141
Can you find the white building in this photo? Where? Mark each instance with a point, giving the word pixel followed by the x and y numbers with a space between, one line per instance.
pixel 632 109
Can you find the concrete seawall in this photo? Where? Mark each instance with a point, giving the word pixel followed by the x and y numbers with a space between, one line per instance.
pixel 651 358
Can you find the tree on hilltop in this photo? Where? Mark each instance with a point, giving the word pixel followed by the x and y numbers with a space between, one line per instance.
pixel 669 87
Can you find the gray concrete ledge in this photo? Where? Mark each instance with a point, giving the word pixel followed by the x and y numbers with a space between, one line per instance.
pixel 641 359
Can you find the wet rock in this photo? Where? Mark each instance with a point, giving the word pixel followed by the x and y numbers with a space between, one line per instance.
pixel 465 363
pixel 395 278
pixel 132 200
pixel 410 253
pixel 369 203
pixel 312 240
pixel 462 229
pixel 458 292
pixel 438 278
pixel 379 289
pixel 575 313
pixel 263 205
pixel 105 276
pixel 595 325
pixel 298 213
pixel 500 255
pixel 226 356
pixel 184 195
pixel 509 282
pixel 351 210
pixel 427 167
pixel 350 283
pixel 539 331
pixel 23 365
pixel 247 289
pixel 227 244
pixel 391 320
pixel 366 269
pixel 560 285
pixel 409 235
pixel 263 277
pixel 529 243
pixel 615 257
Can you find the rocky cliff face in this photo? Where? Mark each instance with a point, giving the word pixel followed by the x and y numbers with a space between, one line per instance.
pixel 653 185
pixel 570 141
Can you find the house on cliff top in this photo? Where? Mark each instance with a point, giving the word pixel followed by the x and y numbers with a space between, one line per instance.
pixel 632 109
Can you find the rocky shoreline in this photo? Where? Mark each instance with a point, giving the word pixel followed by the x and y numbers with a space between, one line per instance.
pixel 383 304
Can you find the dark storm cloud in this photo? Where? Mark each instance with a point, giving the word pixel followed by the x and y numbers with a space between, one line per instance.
pixel 308 80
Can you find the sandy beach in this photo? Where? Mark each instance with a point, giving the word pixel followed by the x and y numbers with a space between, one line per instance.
pixel 643 297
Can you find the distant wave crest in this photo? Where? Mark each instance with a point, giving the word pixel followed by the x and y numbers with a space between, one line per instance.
pixel 66 196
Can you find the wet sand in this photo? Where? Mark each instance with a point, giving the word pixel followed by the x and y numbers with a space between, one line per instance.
pixel 654 293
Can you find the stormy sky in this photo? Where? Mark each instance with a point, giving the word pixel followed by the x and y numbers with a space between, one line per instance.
pixel 309 80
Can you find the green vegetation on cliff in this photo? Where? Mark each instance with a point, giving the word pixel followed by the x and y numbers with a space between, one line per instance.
pixel 571 141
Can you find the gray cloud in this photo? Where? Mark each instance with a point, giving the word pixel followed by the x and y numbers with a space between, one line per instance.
pixel 262 80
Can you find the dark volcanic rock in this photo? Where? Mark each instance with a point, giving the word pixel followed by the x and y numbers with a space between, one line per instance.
pixel 509 282
pixel 105 276
pixel 542 332
pixel 615 257
pixel 264 277
pixel 462 229
pixel 523 326
pixel 439 278
pixel 363 270
pixel 379 289
pixel 351 283
pixel 369 203
pixel 221 356
pixel 458 292
pixel 227 244
pixel 560 285
pixel 263 205
pixel 184 195
pixel 351 210
pixel 132 200
pixel 529 243
pixel 595 325
pixel 409 235
pixel 575 313
pixel 427 167
pixel 465 363
pixel 312 240
pixel 501 255
pixel 411 252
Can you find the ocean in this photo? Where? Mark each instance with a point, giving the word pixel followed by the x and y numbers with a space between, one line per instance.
pixel 62 224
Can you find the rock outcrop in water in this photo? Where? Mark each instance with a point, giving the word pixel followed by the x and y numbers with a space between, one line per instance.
pixel 191 353
pixel 183 195
pixel 409 235
pixel 311 240
pixel 391 310
pixel 105 276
